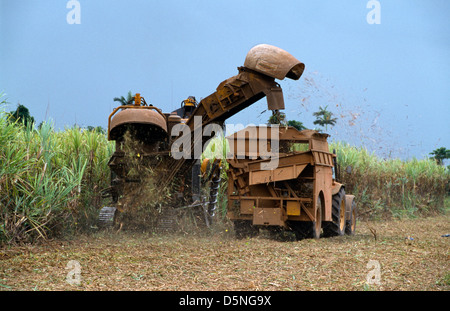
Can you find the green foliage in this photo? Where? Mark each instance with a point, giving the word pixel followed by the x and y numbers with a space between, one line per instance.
pixel 297 124
pixel 125 101
pixel 50 181
pixel 2 99
pixel 400 188
pixel 277 117
pixel 218 148
pixel 324 117
pixel 97 129
pixel 440 155
pixel 21 115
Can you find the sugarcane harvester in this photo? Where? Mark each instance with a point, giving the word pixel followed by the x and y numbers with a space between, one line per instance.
pixel 157 134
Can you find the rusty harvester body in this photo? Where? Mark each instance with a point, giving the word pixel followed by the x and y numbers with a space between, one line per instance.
pixel 262 199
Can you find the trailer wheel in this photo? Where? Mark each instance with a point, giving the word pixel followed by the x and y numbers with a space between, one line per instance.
pixel 338 224
pixel 350 224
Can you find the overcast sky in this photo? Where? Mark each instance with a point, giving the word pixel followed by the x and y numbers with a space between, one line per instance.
pixel 388 83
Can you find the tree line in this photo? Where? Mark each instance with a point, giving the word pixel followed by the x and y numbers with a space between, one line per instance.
pixel 324 118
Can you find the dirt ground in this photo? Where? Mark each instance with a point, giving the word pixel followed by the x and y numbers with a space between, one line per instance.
pixel 377 257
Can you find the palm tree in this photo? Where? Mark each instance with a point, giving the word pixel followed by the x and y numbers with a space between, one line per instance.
pixel 440 154
pixel 324 117
pixel 125 101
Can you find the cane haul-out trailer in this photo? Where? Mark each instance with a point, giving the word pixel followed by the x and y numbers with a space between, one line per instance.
pixel 299 192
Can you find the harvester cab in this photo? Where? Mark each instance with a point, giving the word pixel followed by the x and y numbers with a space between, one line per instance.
pixel 187 108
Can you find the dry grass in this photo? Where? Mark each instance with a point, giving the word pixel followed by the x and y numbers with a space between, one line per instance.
pixel 126 261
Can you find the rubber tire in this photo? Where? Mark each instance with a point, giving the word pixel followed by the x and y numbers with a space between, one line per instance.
pixel 337 226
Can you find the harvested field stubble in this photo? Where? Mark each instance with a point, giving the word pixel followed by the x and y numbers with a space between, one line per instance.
pixel 126 261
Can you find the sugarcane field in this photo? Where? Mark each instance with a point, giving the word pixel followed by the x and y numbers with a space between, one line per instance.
pixel 237 149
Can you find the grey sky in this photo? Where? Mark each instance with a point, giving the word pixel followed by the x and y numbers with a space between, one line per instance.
pixel 388 83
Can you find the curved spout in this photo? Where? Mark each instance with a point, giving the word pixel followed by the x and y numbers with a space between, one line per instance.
pixel 274 62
